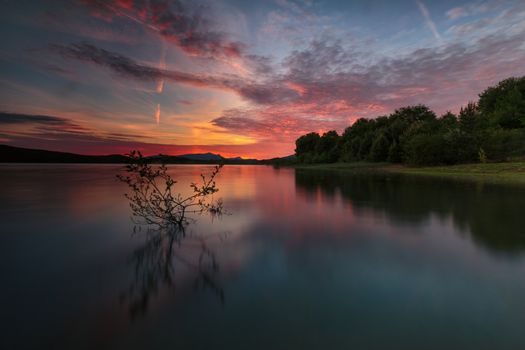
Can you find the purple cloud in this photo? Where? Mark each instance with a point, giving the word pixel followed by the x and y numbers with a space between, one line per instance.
pixel 189 30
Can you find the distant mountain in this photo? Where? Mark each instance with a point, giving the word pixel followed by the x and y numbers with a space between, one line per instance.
pixel 203 156
pixel 212 157
pixel 10 154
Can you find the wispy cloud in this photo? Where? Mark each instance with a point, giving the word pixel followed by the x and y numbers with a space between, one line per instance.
pixel 189 29
pixel 471 9
pixel 428 20
pixel 321 88
pixel 316 80
pixel 129 68
pixel 17 118
pixel 258 92
pixel 443 78
pixel 62 134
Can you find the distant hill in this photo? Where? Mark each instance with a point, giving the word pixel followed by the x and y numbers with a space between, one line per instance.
pixel 284 161
pixel 203 156
pixel 10 154
pixel 212 157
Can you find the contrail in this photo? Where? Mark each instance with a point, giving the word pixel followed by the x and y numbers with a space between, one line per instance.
pixel 157 113
pixel 160 82
pixel 162 67
pixel 430 24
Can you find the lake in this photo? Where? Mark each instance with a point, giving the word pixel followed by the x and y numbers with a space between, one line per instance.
pixel 302 259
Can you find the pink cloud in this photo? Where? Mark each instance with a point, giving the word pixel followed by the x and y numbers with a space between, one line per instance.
pixel 176 23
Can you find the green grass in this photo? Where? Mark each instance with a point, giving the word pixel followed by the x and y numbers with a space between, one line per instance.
pixel 507 173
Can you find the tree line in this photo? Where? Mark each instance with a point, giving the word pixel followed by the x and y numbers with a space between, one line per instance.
pixel 493 129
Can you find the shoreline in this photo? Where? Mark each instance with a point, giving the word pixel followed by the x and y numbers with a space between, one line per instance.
pixel 495 173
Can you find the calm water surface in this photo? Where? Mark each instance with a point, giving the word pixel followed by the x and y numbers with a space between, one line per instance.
pixel 306 259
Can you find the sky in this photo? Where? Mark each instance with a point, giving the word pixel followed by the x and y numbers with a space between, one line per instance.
pixel 235 77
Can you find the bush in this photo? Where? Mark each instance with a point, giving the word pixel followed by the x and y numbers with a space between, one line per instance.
pixel 504 143
pixel 379 150
pixel 436 149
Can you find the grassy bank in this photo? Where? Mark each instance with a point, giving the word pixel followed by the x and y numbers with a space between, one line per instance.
pixel 504 173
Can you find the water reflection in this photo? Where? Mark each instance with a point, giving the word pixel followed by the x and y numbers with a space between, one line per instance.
pixel 311 260
pixel 156 261
pixel 493 215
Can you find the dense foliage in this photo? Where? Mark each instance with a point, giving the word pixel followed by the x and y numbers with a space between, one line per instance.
pixel 493 129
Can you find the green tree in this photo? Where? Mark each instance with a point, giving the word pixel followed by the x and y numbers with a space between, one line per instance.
pixel 305 147
pixel 327 148
pixel 493 129
pixel 380 148
pixel 504 104
pixel 473 127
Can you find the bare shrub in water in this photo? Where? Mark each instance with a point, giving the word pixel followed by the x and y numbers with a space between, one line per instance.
pixel 153 201
pixel 166 215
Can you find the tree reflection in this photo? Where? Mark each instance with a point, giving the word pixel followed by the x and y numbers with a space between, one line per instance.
pixel 164 217
pixel 493 214
pixel 156 261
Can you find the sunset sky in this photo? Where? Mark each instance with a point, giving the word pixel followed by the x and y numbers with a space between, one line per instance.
pixel 236 77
